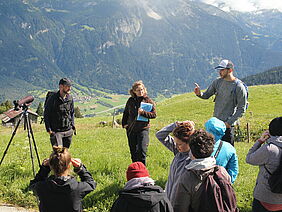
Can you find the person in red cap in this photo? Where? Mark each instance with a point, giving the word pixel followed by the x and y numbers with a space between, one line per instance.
pixel 140 193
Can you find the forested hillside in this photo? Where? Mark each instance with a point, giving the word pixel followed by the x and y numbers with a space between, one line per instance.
pixel 271 76
pixel 108 44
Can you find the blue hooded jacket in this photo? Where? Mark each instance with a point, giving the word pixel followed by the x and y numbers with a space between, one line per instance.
pixel 227 156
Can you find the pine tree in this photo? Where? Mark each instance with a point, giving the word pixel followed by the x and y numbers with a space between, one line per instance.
pixel 39 109
pixel 77 113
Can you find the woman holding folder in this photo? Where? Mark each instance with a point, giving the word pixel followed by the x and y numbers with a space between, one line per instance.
pixel 138 111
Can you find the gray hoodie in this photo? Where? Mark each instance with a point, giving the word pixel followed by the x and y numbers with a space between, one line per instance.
pixel 267 155
pixel 180 160
pixel 186 196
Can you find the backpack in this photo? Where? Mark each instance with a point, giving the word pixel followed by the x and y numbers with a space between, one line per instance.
pixel 48 95
pixel 237 81
pixel 275 179
pixel 217 194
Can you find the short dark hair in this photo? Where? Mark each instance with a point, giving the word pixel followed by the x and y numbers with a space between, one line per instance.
pixel 183 131
pixel 201 144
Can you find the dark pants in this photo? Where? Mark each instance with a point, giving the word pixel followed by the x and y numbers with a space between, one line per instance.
pixel 61 138
pixel 257 207
pixel 138 144
pixel 229 136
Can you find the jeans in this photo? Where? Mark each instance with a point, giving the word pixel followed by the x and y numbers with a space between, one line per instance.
pixel 257 207
pixel 138 144
pixel 229 136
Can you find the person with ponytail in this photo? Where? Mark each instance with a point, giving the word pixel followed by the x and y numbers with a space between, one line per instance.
pixel 61 192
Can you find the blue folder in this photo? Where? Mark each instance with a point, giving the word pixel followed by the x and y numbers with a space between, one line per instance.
pixel 147 107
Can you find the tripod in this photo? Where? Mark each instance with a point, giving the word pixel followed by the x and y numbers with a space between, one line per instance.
pixel 27 125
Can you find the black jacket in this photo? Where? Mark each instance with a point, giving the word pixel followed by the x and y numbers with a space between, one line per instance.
pixel 59 113
pixel 142 199
pixel 131 111
pixel 57 194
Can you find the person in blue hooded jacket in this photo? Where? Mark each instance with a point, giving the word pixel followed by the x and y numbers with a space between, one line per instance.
pixel 224 152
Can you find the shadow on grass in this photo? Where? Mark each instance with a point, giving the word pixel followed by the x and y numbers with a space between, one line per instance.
pixel 107 194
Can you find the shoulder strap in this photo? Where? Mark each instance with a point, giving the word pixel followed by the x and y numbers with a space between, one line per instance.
pixel 280 159
pixel 218 149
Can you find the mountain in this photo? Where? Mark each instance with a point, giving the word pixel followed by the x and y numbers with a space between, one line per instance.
pixel 264 25
pixel 271 76
pixel 108 44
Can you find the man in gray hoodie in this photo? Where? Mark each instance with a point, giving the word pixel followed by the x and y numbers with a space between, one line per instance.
pixel 266 153
pixel 230 98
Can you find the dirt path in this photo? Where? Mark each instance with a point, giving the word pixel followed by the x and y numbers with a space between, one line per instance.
pixel 12 208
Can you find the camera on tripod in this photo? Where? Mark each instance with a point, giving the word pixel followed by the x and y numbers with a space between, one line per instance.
pixel 23 103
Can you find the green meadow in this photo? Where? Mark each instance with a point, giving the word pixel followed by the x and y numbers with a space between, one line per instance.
pixel 105 152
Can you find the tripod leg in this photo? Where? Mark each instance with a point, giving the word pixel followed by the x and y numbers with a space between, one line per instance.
pixel 13 134
pixel 34 144
pixel 26 120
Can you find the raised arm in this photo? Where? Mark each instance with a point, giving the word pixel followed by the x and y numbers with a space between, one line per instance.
pixel 167 140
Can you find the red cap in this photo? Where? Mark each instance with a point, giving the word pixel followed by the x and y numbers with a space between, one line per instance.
pixel 136 170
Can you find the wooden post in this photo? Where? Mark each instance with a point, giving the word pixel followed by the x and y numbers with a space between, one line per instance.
pixel 113 118
pixel 248 132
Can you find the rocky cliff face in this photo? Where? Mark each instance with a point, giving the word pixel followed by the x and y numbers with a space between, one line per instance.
pixel 108 44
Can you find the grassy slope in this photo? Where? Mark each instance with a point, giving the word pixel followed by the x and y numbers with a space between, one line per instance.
pixel 106 155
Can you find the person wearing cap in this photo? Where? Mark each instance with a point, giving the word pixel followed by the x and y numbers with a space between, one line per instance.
pixel 230 98
pixel 224 152
pixel 266 153
pixel 140 194
pixel 59 115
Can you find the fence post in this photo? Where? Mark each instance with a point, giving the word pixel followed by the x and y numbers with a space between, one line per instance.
pixel 113 124
pixel 248 132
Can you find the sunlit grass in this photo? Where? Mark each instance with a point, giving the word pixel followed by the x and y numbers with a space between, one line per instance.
pixel 105 152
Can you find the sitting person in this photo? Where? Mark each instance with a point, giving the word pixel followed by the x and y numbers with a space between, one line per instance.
pixel 178 144
pixel 61 192
pixel 186 196
pixel 224 152
pixel 140 194
pixel 266 153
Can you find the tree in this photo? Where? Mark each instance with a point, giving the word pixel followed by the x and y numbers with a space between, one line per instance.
pixel 39 109
pixel 77 113
pixel 4 106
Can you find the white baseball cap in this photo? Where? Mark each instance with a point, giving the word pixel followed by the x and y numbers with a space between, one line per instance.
pixel 225 64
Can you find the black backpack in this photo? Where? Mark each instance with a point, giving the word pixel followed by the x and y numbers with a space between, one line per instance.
pixel 217 194
pixel 48 95
pixel 275 179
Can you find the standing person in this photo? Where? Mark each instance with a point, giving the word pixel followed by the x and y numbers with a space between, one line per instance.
pixel 187 195
pixel 230 98
pixel 179 145
pixel 140 194
pixel 138 130
pixel 61 192
pixel 224 153
pixel 266 153
pixel 59 115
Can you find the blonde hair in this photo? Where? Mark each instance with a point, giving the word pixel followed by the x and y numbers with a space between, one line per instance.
pixel 60 160
pixel 135 85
